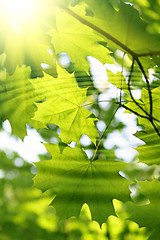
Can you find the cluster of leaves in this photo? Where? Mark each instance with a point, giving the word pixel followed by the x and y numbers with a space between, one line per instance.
pixel 25 212
pixel 45 95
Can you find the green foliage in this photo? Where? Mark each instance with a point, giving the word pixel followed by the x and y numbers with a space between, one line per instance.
pixel 17 100
pixel 64 101
pixel 37 89
pixel 71 31
pixel 77 180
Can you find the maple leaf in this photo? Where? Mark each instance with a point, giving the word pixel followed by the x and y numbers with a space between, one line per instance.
pixel 143 107
pixel 27 50
pixel 149 152
pixel 78 41
pixel 64 108
pixel 17 100
pixel 124 26
pixel 147 215
pixel 77 180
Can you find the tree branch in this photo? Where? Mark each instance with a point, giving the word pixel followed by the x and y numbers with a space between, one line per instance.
pixel 107 35
pixel 148 86
pixel 135 57
pixel 129 89
pixel 147 54
pixel 97 29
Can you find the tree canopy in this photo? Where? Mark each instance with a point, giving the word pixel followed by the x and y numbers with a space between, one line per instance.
pixel 48 83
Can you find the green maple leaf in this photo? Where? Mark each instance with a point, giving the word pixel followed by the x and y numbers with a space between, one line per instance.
pixel 117 80
pixel 76 180
pixel 78 41
pixel 64 108
pixel 28 51
pixel 17 100
pixel 155 103
pixel 145 104
pixel 124 25
pixel 149 152
pixel 147 215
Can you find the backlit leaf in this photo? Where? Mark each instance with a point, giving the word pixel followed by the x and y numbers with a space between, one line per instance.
pixel 64 107
pixel 77 180
pixel 147 215
pixel 17 100
pixel 125 25
pixel 78 41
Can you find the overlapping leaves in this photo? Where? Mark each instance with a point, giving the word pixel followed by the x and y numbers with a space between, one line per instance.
pixel 78 41
pixel 123 25
pixel 73 178
pixel 149 152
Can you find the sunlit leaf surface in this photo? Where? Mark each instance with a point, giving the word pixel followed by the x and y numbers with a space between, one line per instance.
pixel 64 107
pixel 77 180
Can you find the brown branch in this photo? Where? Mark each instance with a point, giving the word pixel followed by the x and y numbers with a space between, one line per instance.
pixel 156 129
pixel 129 90
pixel 148 86
pixel 147 54
pixel 116 41
pixel 142 116
pixel 105 34
pixel 135 57
pixel 136 113
pixel 97 29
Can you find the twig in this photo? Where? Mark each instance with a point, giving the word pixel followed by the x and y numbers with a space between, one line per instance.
pixel 148 86
pixel 100 140
pixel 136 113
pixel 129 89
pixel 120 99
pixel 135 57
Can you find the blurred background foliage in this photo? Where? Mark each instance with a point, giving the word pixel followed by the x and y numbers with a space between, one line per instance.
pixel 25 214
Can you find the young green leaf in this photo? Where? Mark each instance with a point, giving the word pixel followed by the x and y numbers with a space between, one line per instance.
pixel 78 41
pixel 64 107
pixel 77 180
pixel 149 152
pixel 147 215
pixel 123 28
pixel 17 100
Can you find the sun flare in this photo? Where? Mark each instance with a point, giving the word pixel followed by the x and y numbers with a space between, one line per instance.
pixel 24 24
pixel 20 7
pixel 19 12
pixel 17 8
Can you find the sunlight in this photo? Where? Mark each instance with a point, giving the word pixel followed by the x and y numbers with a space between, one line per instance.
pixel 19 12
pixel 18 7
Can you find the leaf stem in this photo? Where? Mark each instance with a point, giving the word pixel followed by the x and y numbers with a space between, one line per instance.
pixel 135 57
pixel 100 140
pixel 136 113
pixel 116 41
